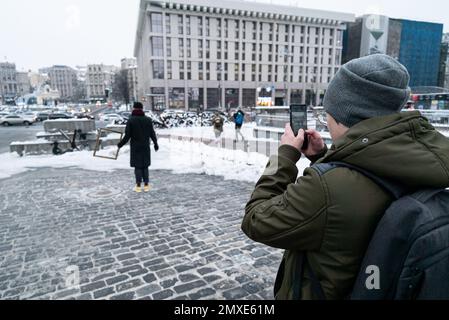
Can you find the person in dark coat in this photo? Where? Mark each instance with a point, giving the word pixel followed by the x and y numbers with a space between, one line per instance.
pixel 140 130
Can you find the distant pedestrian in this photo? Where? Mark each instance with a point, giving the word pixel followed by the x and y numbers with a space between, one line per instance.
pixel 140 130
pixel 218 123
pixel 239 118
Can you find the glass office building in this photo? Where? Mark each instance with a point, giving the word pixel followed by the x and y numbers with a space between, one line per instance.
pixel 417 45
pixel 420 51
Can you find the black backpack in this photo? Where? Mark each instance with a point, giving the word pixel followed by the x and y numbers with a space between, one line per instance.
pixel 408 256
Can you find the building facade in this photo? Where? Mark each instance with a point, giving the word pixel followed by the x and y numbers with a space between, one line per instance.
pixel 23 84
pixel 417 45
pixel 443 78
pixel 62 79
pixel 130 67
pixel 191 54
pixel 38 80
pixel 99 81
pixel 8 83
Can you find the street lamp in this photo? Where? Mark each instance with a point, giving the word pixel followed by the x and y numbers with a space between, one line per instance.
pixel 286 54
pixel 220 70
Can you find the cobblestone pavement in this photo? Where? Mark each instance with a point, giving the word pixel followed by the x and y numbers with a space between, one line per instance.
pixel 181 241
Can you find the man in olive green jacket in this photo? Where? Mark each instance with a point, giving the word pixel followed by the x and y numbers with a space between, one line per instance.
pixel 332 217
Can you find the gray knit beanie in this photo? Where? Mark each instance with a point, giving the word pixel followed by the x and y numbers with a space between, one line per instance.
pixel 365 88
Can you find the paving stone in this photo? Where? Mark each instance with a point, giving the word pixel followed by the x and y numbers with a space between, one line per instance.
pixel 188 277
pixel 204 271
pixel 235 294
pixel 99 294
pixel 169 283
pixel 149 278
pixel 93 286
pixel 124 296
pixel 117 279
pixel 225 284
pixel 189 286
pixel 253 287
pixel 148 290
pixel 126 256
pixel 128 285
pixel 202 294
pixel 162 295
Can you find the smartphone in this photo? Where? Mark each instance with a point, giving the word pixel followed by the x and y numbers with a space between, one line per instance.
pixel 298 120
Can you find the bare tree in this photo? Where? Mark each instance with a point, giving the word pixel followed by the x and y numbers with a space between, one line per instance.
pixel 121 87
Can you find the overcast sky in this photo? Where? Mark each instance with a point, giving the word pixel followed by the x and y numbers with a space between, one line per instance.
pixel 39 33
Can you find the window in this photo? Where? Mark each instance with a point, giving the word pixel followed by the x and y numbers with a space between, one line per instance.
pixel 189 48
pixel 157 45
pixel 188 22
pixel 200 26
pixel 169 70
pixel 189 70
pixel 156 22
pixel 200 49
pixel 168 44
pixel 200 69
pixel 181 47
pixel 158 69
pixel 180 24
pixel 167 24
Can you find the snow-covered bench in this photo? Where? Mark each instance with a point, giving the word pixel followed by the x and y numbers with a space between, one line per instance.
pixel 36 147
pixel 41 146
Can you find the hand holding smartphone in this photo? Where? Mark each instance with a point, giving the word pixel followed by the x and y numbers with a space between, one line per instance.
pixel 298 121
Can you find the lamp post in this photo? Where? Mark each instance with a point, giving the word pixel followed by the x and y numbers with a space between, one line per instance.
pixel 286 54
pixel 313 95
pixel 219 69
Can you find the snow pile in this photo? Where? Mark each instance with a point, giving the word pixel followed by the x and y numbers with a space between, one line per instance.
pixel 177 156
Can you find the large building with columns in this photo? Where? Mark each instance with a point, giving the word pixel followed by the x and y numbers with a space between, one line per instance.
pixel 226 54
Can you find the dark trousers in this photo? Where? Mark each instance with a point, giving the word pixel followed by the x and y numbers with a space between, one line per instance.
pixel 142 174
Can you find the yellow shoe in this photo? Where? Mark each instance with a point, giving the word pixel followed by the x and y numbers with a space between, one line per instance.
pixel 138 189
pixel 147 188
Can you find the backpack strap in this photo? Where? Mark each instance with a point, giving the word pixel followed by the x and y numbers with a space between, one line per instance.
pixel 425 195
pixel 394 189
pixel 303 265
pixel 317 289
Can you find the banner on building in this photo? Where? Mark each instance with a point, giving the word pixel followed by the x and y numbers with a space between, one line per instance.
pixel 264 102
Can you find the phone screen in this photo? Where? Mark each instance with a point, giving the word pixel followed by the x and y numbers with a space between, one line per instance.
pixel 298 120
pixel 298 117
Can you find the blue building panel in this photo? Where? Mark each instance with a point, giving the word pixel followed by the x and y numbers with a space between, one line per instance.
pixel 420 51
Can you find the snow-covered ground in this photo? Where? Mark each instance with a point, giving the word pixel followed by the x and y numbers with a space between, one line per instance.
pixel 177 156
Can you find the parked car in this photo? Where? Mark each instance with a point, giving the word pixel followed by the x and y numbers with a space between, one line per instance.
pixel 125 114
pixel 111 117
pixel 57 116
pixel 83 115
pixel 29 116
pixel 13 119
pixel 42 116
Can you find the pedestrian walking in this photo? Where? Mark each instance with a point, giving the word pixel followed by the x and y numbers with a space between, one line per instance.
pixel 239 118
pixel 139 130
pixel 218 123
